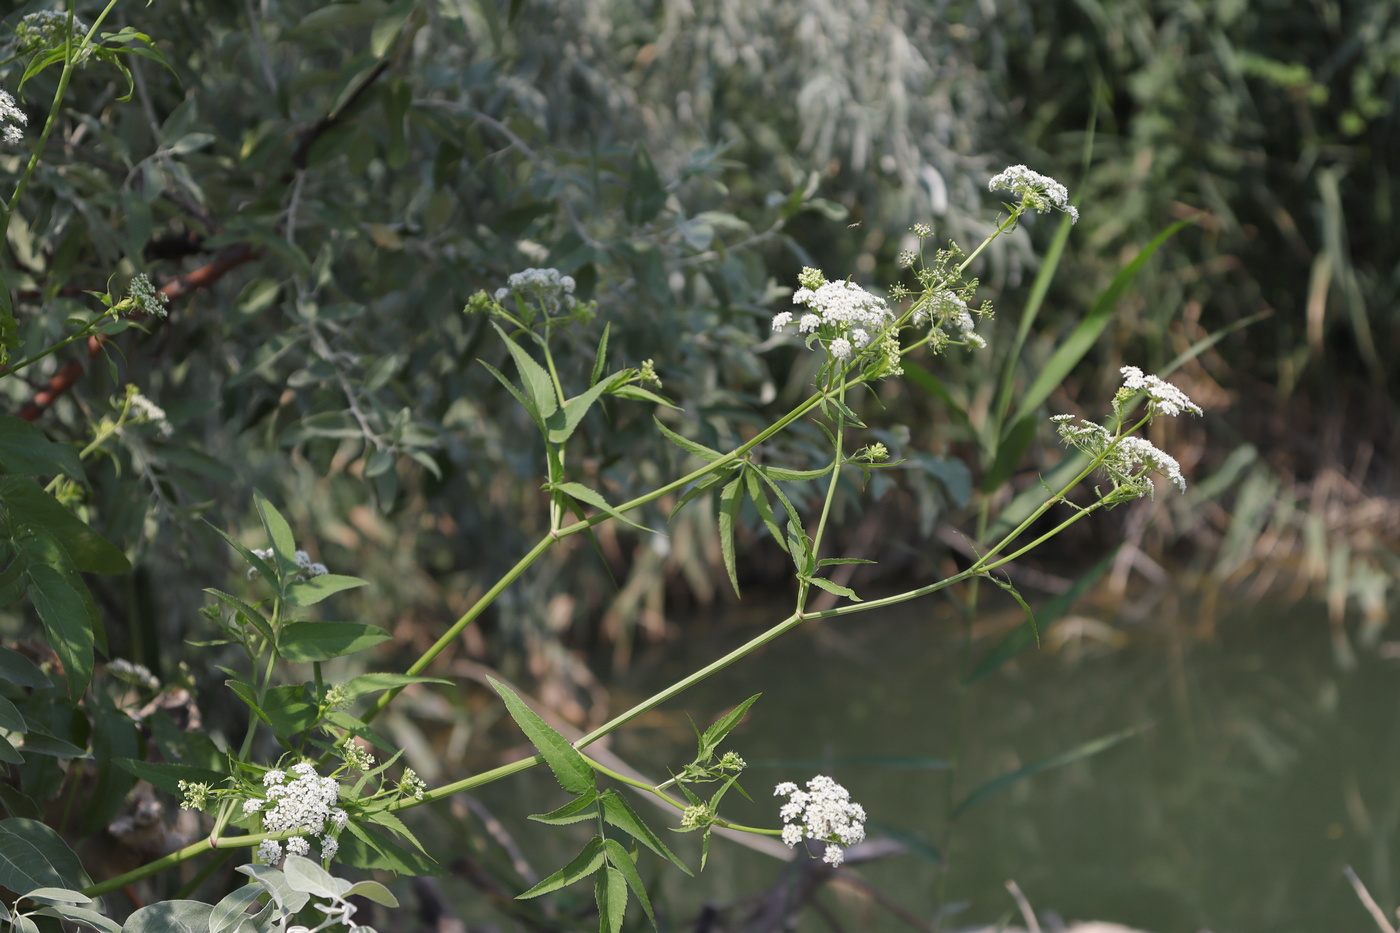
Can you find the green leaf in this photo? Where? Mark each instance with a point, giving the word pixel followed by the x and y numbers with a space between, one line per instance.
pixel 366 848
pixel 322 641
pixel 34 856
pixel 561 425
pixel 287 709
pixel 1087 332
pixel 833 588
pixel 584 864
pixel 9 754
pixel 338 15
pixel 311 591
pixel 686 444
pixel 730 498
pixel 589 497
pixel 10 718
pixel 525 403
pixel 600 358
pixel 610 892
pixel 1010 449
pixel 275 883
pixel 167 775
pixel 999 784
pixel 170 917
pixel 640 394
pixel 834 561
pixel 721 727
pixel 366 684
pixel 81 915
pixel 619 813
pixel 538 386
pixel 279 533
pixel 66 622
pixel 575 811
pixel 765 509
pixel 305 875
pixel 19 670
pixel 265 569
pixel 29 504
pixel 570 768
pixel 27 450
pixel 790 476
pixel 1024 635
pixel 244 611
pixel 230 912
pixel 372 891
pixel 621 860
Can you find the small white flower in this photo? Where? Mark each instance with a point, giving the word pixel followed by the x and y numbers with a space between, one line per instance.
pixel 151 413
pixel 545 288
pixel 339 817
pixel 253 804
pixel 297 845
pixel 1035 190
pixel 782 319
pixel 329 847
pixel 840 349
pixel 12 117
pixel 809 323
pixel 824 811
pixel 269 852
pixel 1162 397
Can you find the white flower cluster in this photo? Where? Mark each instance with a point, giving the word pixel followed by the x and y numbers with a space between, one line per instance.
pixel 303 559
pixel 546 288
pixel 304 804
pixel 950 313
pixel 1163 398
pixel 844 315
pixel 48 29
pixel 823 811
pixel 1123 457
pixel 1035 190
pixel 148 300
pixel 12 119
pixel 148 411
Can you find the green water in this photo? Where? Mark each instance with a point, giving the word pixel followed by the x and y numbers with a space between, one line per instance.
pixel 1262 768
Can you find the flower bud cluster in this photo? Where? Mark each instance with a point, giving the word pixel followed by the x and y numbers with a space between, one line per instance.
pixel 1163 398
pixel 48 29
pixel 1127 461
pixel 144 297
pixel 823 811
pixel 546 289
pixel 308 567
pixel 1035 190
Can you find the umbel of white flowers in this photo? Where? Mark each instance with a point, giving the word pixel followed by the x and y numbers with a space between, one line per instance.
pixel 1035 190
pixel 12 119
pixel 823 811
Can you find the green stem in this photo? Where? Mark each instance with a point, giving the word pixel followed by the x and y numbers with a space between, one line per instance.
pixel 803 589
pixel 86 331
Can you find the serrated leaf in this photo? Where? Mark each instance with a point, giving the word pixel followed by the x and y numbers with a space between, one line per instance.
pixel 560 426
pixel 834 561
pixel 721 727
pixel 620 814
pixel 538 386
pixel 637 393
pixel 600 358
pixel 569 766
pixel 322 641
pixel 765 510
pixel 244 611
pixel 366 684
pixel 621 860
pixel 584 864
pixel 792 476
pixel 834 588
pixel 610 893
pixel 575 811
pixel 525 403
pixel 702 487
pixel 589 497
pixel 730 498
pixel 686 444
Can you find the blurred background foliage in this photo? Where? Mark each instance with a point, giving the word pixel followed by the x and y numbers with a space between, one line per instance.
pixel 324 185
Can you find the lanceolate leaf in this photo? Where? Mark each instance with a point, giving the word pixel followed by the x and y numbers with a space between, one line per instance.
pixel 619 813
pixel 311 591
pixel 999 784
pixel 621 860
pixel 322 641
pixel 721 727
pixel 610 892
pixel 562 423
pixel 569 767
pixel 278 531
pixel 833 588
pixel 575 811
pixel 29 504
pixel 584 864
pixel 588 496
pixel 34 856
pixel 730 499
pixel 538 386
pixel 66 622
pixel 686 444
